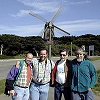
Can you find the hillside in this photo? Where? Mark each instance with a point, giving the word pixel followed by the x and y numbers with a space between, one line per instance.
pixel 15 45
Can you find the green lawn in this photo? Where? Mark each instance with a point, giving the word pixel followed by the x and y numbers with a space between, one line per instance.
pixel 11 57
pixel 97 87
pixel 2 86
pixel 95 58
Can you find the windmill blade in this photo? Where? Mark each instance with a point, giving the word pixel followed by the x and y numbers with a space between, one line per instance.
pixel 38 16
pixel 61 30
pixel 57 13
pixel 41 33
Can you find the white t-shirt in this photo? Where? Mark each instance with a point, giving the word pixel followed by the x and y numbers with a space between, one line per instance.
pixel 60 76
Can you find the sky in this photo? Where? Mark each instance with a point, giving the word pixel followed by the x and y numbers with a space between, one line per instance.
pixel 77 17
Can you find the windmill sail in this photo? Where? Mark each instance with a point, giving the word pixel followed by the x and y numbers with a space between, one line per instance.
pixel 57 14
pixel 61 30
pixel 49 27
pixel 38 16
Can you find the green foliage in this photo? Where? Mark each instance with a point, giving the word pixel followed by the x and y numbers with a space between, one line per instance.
pixel 16 45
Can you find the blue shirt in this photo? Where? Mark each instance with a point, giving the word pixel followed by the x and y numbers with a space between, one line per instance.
pixel 83 75
pixel 13 73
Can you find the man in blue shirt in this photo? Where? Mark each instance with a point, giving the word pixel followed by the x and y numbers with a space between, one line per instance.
pixel 83 77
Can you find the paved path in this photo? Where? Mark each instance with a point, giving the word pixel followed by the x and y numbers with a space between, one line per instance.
pixel 3 97
pixel 5 66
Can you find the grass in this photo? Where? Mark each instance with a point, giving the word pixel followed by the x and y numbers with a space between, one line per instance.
pixel 6 57
pixel 95 58
pixel 21 56
pixel 2 86
pixel 97 87
pixel 12 57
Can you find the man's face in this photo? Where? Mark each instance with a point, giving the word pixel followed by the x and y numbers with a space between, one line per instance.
pixel 63 55
pixel 80 57
pixel 43 55
pixel 29 58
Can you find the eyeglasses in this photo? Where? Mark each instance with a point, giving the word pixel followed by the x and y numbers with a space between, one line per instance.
pixel 78 54
pixel 62 55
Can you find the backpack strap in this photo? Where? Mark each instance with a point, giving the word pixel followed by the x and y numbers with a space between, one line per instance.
pixel 20 69
pixel 51 85
pixel 51 64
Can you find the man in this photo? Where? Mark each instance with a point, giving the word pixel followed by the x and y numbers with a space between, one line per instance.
pixel 83 77
pixel 41 72
pixel 61 77
pixel 19 78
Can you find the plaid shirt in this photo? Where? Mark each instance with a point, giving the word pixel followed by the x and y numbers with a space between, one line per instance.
pixel 42 70
pixel 22 78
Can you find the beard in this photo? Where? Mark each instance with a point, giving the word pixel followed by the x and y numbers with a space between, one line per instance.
pixel 79 60
pixel 28 62
pixel 42 58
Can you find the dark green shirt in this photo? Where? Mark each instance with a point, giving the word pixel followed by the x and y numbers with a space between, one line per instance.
pixel 83 75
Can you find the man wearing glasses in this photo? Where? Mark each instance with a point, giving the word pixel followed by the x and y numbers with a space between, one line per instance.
pixel 61 77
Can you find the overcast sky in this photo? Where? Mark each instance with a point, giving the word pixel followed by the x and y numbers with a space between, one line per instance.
pixel 78 17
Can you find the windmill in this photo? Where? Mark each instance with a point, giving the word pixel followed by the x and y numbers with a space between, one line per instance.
pixel 48 32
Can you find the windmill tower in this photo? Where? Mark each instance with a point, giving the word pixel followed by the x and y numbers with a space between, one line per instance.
pixel 48 32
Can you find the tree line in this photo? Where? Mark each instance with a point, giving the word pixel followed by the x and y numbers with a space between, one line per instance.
pixel 15 45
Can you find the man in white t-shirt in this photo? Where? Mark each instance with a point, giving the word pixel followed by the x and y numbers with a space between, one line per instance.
pixel 61 77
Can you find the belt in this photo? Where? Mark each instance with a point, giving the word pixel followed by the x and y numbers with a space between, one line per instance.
pixel 60 84
pixel 39 83
pixel 22 86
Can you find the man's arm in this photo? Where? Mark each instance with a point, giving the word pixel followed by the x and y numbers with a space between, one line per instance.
pixel 93 75
pixel 11 79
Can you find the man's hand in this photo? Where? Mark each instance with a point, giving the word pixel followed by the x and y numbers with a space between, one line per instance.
pixel 90 89
pixel 12 92
pixel 17 64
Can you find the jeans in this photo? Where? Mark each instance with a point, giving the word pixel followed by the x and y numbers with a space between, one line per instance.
pixel 39 92
pixel 83 96
pixel 21 93
pixel 59 90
